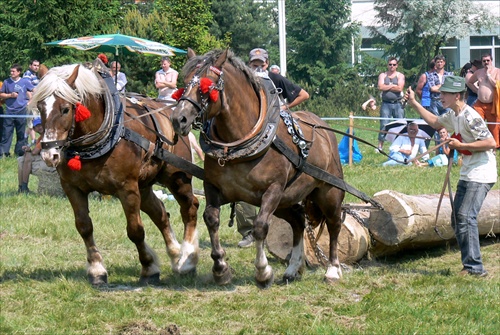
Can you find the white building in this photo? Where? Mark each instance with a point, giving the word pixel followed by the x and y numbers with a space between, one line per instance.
pixel 457 51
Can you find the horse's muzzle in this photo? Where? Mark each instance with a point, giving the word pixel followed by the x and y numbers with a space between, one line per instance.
pixel 51 157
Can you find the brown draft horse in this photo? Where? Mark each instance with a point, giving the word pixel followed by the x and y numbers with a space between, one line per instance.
pixel 115 166
pixel 267 180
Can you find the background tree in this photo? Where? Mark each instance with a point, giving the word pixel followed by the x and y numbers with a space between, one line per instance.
pixel 246 24
pixel 25 25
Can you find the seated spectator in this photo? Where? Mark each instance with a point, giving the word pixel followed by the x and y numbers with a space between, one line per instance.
pixel 120 80
pixel 31 161
pixel 405 148
pixel 442 153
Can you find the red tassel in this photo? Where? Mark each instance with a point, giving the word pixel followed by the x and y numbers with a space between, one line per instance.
pixel 82 113
pixel 75 163
pixel 178 94
pixel 205 84
pixel 214 95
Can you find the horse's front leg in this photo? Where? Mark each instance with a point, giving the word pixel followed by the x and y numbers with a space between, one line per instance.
pixel 96 272
pixel 180 186
pixel 131 202
pixel 263 272
pixel 220 270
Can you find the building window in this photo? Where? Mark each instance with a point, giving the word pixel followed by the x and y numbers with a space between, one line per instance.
pixel 480 45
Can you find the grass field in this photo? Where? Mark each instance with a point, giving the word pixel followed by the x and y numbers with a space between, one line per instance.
pixel 44 290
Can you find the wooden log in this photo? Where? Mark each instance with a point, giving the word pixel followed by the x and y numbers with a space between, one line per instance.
pixel 407 222
pixel 354 241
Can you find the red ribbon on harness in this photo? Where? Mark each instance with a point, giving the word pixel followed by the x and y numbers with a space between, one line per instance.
pixel 178 94
pixel 459 137
pixel 75 163
pixel 206 85
pixel 82 113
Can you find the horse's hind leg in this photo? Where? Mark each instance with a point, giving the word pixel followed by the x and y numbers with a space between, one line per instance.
pixel 180 186
pixel 96 272
pixel 132 203
pixel 295 217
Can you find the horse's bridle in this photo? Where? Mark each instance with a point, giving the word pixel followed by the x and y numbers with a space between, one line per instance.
pixel 60 144
pixel 202 107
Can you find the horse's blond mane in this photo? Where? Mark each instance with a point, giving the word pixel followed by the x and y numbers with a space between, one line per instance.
pixel 54 82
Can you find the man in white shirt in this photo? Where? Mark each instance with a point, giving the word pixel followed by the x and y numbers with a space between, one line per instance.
pixel 166 81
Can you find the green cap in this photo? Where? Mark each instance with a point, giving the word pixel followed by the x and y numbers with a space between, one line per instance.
pixel 453 84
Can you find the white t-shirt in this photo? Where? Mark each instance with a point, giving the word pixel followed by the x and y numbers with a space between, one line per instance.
pixel 166 93
pixel 481 166
pixel 403 142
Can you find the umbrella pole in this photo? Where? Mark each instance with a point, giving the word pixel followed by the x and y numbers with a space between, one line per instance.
pixel 116 66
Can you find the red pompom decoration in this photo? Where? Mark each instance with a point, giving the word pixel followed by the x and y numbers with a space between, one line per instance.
pixel 205 84
pixel 75 163
pixel 214 95
pixel 178 94
pixel 82 113
pixel 103 57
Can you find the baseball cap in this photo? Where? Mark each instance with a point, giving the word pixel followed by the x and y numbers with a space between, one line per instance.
pixel 259 54
pixel 37 121
pixel 453 84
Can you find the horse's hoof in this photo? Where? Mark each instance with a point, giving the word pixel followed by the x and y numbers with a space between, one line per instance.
pixel 223 278
pixel 150 280
pixel 98 280
pixel 188 274
pixel 266 283
pixel 289 279
pixel 331 281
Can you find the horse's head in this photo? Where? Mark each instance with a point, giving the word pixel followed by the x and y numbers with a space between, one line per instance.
pixel 57 97
pixel 201 99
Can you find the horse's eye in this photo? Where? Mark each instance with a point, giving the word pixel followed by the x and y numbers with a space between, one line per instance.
pixel 65 110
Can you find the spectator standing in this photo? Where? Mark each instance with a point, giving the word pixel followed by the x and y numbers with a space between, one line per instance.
pixel 467 72
pixel 166 81
pixel 436 79
pixel 119 78
pixel 292 95
pixel 32 75
pixel 275 68
pixel 487 105
pixel 391 83
pixel 478 172
pixel 17 92
pixel 423 89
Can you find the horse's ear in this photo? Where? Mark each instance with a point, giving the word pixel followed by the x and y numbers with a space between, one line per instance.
pixel 191 53
pixel 222 59
pixel 42 71
pixel 71 80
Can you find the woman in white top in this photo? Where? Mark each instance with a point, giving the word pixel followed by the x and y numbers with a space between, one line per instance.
pixel 166 81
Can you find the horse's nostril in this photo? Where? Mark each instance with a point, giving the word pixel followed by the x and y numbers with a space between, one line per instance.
pixel 183 120
pixel 56 158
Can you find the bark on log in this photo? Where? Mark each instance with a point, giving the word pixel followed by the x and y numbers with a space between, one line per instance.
pixel 353 242
pixel 408 221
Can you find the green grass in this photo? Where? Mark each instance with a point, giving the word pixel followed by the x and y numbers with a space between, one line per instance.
pixel 44 290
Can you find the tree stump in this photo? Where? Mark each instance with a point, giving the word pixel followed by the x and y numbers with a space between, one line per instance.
pixel 407 222
pixel 49 183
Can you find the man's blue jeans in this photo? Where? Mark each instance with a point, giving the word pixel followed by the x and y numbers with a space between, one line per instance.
pixel 388 110
pixel 468 201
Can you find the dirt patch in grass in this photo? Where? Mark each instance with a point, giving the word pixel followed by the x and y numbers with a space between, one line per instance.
pixel 148 328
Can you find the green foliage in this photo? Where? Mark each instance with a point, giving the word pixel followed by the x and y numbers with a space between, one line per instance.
pixel 244 25
pixel 319 39
pixel 27 24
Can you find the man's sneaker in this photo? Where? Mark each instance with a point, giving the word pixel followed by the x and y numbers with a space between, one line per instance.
pixel 466 272
pixel 246 241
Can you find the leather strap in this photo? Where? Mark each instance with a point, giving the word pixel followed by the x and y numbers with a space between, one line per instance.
pixel 446 183
pixel 321 174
